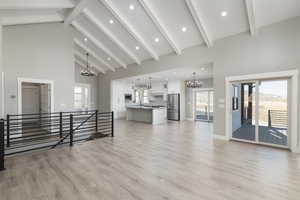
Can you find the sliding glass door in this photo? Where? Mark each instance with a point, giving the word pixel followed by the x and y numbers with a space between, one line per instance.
pixel 273 112
pixel 204 105
pixel 260 111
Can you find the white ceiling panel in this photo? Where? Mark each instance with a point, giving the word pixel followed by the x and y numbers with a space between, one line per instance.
pixel 110 22
pixel 95 49
pixel 143 24
pixel 175 15
pixel 235 22
pixel 106 41
pixel 273 11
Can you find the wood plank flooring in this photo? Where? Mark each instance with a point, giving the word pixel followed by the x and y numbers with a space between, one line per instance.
pixel 177 161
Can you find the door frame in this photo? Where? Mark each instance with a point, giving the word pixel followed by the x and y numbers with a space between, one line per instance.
pixel 293 76
pixel 194 100
pixel 89 98
pixel 30 80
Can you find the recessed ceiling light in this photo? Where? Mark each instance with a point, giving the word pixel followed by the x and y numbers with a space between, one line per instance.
pixel 137 48
pixel 183 29
pixel 156 39
pixel 224 13
pixel 108 58
pixel 111 21
pixel 131 7
pixel 85 39
pixel 202 69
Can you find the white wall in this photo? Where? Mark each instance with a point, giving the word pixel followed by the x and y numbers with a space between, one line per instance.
pixel 39 51
pixel 275 48
pixel 1 70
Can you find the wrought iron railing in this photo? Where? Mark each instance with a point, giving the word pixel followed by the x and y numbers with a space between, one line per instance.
pixel 29 132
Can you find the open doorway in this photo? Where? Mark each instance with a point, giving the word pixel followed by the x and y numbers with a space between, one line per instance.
pixel 36 98
pixel 35 102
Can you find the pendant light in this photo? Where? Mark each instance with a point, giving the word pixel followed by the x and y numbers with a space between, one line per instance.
pixel 194 83
pixel 87 71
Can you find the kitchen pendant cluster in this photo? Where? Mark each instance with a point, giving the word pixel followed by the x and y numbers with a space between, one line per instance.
pixel 142 84
pixel 194 83
pixel 87 71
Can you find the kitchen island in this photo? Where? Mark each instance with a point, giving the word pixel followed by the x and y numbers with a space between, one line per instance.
pixel 147 114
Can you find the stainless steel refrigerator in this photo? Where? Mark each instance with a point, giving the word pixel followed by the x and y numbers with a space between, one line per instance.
pixel 173 107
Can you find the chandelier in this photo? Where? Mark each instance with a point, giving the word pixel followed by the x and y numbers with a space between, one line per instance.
pixel 194 83
pixel 87 71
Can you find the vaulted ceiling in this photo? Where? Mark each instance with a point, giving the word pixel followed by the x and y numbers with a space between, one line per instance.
pixel 117 33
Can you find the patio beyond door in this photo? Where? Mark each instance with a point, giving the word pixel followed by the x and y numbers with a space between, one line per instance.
pixel 260 112
pixel 204 105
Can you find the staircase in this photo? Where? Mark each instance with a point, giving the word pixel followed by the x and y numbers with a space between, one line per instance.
pixel 32 132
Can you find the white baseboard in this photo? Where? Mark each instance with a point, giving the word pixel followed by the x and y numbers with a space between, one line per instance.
pixel 296 150
pixel 189 119
pixel 220 137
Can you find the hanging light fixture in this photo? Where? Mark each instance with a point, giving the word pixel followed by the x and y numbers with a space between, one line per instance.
pixel 87 71
pixel 194 83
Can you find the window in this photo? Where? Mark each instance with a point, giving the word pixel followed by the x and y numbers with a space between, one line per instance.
pixel 82 97
pixel 235 98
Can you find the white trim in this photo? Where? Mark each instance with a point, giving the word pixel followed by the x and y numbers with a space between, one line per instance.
pixel 189 119
pixel 160 25
pixel 30 80
pixel 194 98
pixel 251 16
pixel 111 35
pixel 35 4
pixel 196 14
pixel 75 12
pixel 220 137
pixel 293 74
pixel 31 19
pixel 129 27
pixel 88 86
pixel 98 43
pixel 3 95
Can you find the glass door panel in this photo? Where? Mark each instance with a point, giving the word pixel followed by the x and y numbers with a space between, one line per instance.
pixel 201 106
pixel 211 106
pixel 243 111
pixel 273 112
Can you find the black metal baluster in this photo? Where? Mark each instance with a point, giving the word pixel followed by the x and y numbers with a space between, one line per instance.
pixel 96 115
pixel 112 124
pixel 60 125
pixel 8 130
pixel 71 130
pixel 2 145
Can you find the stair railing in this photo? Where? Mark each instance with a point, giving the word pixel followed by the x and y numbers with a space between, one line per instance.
pixel 71 133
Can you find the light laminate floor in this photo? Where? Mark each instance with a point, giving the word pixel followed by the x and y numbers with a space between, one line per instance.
pixel 178 161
